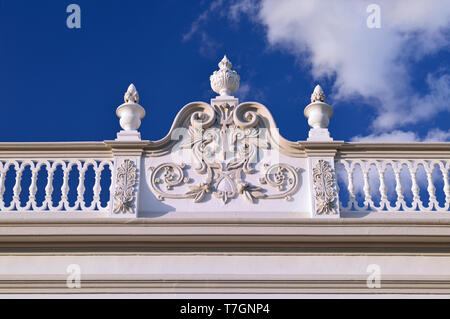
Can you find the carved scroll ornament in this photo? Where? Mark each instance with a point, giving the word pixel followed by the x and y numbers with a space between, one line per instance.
pixel 225 141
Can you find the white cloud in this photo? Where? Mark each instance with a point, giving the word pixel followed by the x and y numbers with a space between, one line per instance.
pixel 209 45
pixel 238 8
pixel 372 64
pixel 202 19
pixel 395 136
pixel 243 92
pixel 437 135
pixel 434 135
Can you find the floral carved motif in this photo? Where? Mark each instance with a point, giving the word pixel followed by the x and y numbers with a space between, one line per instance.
pixel 323 180
pixel 125 188
pixel 225 142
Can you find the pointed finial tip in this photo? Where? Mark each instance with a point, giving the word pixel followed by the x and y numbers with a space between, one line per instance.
pixel 318 95
pixel 131 96
pixel 225 64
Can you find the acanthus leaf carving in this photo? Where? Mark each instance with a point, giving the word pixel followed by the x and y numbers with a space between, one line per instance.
pixel 198 192
pixel 323 180
pixel 125 188
pixel 251 193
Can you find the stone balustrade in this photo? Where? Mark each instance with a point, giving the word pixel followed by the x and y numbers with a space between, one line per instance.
pixel 405 184
pixel 25 200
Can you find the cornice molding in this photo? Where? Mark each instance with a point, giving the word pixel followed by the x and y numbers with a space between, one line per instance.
pixel 384 234
pixel 160 288
pixel 120 148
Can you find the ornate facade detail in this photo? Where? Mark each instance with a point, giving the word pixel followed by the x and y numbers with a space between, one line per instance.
pixel 224 185
pixel 225 142
pixel 318 95
pixel 225 81
pixel 130 114
pixel 131 96
pixel 284 178
pixel 125 188
pixel 323 180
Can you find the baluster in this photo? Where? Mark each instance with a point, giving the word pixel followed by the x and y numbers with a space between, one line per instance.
pixel 444 170
pixel 365 167
pixel 431 189
pixel 81 189
pixel 65 186
pixel 17 187
pixel 33 187
pixel 111 202
pixel 351 187
pixel 97 186
pixel 415 189
pixel 398 187
pixel 381 167
pixel 49 187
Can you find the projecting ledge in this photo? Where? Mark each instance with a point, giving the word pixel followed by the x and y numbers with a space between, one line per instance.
pixel 370 235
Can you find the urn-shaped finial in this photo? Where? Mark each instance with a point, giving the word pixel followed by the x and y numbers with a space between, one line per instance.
pixel 131 113
pixel 318 114
pixel 225 81
pixel 318 95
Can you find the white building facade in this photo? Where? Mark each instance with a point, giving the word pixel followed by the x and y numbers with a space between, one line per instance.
pixel 224 206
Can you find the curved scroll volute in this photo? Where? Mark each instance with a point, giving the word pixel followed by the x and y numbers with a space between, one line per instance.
pixel 204 118
pixel 196 114
pixel 252 114
pixel 246 115
pixel 200 115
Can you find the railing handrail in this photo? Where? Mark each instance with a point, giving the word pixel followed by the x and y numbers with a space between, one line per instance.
pixel 419 150
pixel 50 150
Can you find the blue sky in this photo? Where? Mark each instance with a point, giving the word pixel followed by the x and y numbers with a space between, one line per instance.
pixel 61 84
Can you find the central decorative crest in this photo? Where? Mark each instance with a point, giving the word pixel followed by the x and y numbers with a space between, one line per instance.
pixel 226 149
pixel 226 143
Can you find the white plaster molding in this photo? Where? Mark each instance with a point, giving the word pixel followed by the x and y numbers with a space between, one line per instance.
pixel 128 136
pixel 323 187
pixel 225 141
pixel 130 114
pixel 319 114
pixel 225 81
pixel 124 196
pixel 126 183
